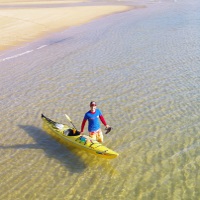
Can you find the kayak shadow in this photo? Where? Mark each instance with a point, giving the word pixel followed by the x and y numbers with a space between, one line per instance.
pixel 52 149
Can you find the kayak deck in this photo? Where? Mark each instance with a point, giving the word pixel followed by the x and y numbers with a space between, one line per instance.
pixel 71 136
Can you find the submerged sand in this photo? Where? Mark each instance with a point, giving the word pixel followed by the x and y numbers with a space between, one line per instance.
pixel 26 20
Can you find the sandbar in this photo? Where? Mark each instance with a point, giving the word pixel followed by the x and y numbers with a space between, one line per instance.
pixel 24 21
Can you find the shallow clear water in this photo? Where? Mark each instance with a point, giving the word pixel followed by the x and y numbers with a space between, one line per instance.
pixel 142 67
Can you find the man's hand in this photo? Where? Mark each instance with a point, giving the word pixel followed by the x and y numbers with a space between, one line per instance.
pixel 81 133
pixel 107 126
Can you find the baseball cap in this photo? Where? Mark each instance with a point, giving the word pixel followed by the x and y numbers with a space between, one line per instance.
pixel 93 103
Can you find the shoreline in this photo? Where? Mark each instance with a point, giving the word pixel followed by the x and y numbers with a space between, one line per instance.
pixel 26 23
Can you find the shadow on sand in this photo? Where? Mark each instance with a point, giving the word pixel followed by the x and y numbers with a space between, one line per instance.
pixel 52 149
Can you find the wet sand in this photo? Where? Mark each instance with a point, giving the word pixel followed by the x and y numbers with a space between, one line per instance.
pixel 27 20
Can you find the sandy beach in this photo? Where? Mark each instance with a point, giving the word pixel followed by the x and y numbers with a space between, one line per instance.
pixel 26 20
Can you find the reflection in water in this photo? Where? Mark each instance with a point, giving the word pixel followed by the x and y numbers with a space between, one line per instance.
pixel 51 148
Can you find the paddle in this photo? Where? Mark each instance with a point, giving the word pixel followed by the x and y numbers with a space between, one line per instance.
pixel 70 121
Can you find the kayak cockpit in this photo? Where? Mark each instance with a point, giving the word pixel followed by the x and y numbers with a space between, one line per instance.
pixel 71 132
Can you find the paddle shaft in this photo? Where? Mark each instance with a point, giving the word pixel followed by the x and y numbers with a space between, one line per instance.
pixel 70 121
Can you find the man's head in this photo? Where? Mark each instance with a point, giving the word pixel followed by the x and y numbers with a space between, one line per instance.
pixel 93 106
pixel 93 103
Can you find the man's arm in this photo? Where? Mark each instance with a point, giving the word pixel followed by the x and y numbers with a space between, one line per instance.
pixel 103 120
pixel 83 125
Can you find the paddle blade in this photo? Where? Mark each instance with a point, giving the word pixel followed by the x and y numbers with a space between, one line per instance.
pixel 70 120
pixel 68 117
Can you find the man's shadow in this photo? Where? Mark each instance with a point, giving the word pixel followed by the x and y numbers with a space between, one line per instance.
pixel 52 149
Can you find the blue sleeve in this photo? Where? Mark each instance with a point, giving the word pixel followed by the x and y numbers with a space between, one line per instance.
pixel 100 113
pixel 85 117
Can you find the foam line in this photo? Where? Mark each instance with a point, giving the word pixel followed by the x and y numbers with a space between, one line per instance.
pixel 41 46
pixel 15 56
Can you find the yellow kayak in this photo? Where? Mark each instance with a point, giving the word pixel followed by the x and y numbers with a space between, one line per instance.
pixel 68 135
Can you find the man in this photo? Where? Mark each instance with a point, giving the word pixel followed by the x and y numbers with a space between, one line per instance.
pixel 93 116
